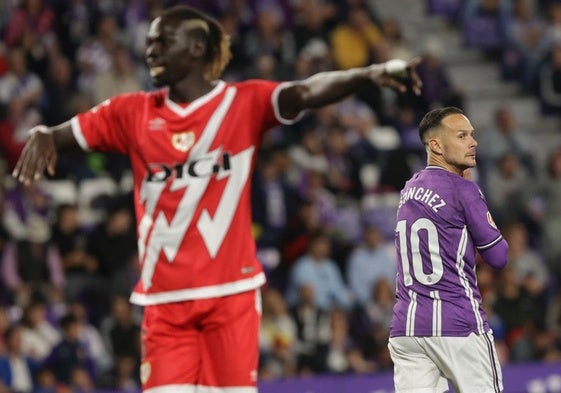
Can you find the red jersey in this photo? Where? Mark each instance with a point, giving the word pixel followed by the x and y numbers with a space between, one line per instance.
pixel 192 167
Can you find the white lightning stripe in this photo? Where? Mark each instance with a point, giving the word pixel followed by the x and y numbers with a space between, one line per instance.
pixel 168 237
pixel 460 265
pixel 214 230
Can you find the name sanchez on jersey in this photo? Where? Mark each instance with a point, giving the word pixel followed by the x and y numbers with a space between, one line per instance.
pixel 421 194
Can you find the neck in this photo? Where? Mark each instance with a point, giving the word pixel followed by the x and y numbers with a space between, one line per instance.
pixel 439 161
pixel 189 89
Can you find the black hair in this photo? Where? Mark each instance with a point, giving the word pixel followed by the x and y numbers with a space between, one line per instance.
pixel 433 119
pixel 218 41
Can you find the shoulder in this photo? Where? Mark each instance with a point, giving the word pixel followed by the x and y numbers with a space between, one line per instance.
pixel 256 86
pixel 132 100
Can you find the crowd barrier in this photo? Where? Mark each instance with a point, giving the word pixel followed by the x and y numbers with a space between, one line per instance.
pixel 517 378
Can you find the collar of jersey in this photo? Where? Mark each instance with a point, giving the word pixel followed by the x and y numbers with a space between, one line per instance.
pixel 194 105
pixel 435 167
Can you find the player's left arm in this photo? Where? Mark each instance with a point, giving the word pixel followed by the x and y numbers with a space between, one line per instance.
pixel 328 87
pixel 487 238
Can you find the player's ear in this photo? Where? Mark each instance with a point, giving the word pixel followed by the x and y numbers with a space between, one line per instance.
pixel 435 145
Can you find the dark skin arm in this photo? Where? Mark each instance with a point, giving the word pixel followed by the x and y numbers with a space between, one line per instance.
pixel 328 87
pixel 41 150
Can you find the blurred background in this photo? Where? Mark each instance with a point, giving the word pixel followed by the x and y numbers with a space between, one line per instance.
pixel 325 189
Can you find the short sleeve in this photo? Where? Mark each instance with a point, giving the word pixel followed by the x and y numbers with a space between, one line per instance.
pixel 109 125
pixel 481 226
pixel 267 93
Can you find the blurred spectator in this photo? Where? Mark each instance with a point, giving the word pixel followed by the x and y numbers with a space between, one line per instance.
pixel 312 21
pixel 312 326
pixel 19 83
pixel 270 38
pixel 438 88
pixel 91 339
pixel 546 207
pixel 309 154
pixel 549 82
pixel 342 167
pixel 529 267
pixel 69 354
pixel 16 369
pixel 60 91
pixel 399 46
pixel 94 55
pixel 484 24
pixel 112 244
pixel 369 263
pixel 32 264
pixel 339 343
pixel 13 130
pixel 121 329
pixel 354 41
pixel 32 17
pixel 72 24
pixel 505 137
pixel 549 39
pixel 277 337
pixel 507 190
pixel 70 238
pixel 124 376
pixel 122 77
pixel 322 273
pixel 273 200
pixel 39 336
pixel 524 33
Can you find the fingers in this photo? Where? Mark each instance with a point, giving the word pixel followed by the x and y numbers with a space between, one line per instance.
pixel 416 83
pixel 35 158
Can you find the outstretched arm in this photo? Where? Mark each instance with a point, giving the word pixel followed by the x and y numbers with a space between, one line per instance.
pixel 328 87
pixel 40 151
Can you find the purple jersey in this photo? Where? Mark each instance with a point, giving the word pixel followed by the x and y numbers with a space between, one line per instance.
pixel 441 219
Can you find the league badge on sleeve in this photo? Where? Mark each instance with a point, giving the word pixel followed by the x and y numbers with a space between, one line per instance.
pixel 490 220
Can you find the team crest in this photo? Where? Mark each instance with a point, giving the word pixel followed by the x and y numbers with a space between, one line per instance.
pixel 491 221
pixel 183 141
pixel 145 371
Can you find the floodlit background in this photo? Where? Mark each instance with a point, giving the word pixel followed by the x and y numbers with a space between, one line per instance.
pixel 326 188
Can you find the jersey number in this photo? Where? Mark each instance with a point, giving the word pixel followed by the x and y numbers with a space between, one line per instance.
pixel 427 272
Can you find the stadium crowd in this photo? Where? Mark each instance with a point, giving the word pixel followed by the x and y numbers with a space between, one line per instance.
pixel 324 194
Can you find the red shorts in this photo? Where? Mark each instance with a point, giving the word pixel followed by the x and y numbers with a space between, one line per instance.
pixel 202 343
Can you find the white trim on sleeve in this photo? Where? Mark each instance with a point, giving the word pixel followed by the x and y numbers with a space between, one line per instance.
pixel 78 135
pixel 275 103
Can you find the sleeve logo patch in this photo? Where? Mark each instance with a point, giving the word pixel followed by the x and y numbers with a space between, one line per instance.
pixel 491 221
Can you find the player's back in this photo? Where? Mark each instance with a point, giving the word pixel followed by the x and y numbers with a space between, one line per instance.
pixel 437 293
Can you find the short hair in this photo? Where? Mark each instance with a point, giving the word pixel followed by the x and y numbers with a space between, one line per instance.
pixel 218 41
pixel 433 119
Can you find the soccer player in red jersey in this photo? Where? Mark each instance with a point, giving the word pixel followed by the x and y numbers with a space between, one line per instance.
pixel 192 148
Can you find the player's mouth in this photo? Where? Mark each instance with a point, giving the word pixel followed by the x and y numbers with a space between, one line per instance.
pixel 156 71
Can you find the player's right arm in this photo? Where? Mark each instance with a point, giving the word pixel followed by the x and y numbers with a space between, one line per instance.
pixel 41 150
pixel 105 127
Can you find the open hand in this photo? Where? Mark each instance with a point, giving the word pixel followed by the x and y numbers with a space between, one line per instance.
pixel 38 154
pixel 397 74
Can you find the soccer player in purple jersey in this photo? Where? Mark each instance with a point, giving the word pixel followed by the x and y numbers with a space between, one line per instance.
pixel 439 331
